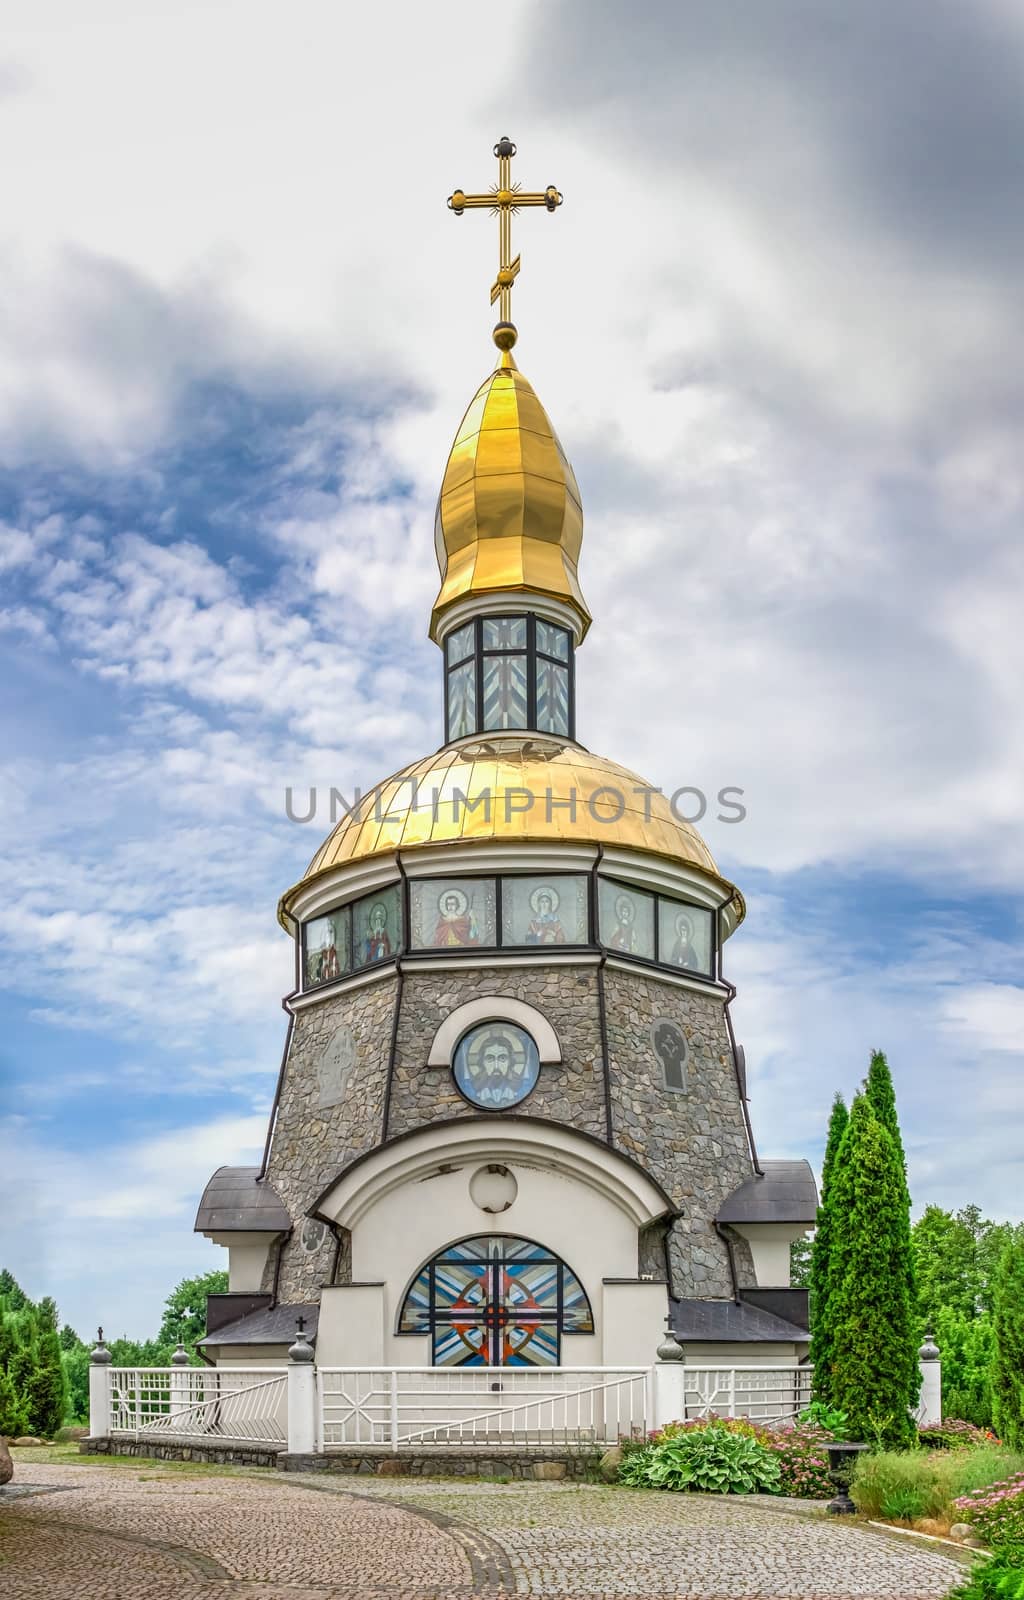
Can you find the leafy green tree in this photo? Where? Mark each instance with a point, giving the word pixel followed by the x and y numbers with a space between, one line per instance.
pixel 1008 1345
pixel 13 1416
pixel 820 1273
pixel 76 1374
pixel 11 1293
pixel 871 1318
pixel 945 1265
pixel 45 1391
pixel 800 1263
pixel 69 1339
pixel 185 1309
pixel 965 1345
pixel 881 1096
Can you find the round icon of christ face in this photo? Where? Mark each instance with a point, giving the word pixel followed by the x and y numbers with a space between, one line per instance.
pixel 495 1065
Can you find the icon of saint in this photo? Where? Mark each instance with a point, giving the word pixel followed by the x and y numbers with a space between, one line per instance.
pixel 496 1072
pixel 456 923
pixel 624 937
pixel 683 952
pixel 545 927
pixel 377 944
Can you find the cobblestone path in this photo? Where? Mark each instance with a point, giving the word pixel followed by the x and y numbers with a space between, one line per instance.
pixel 115 1533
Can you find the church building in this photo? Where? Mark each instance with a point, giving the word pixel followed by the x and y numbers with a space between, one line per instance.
pixel 511 1124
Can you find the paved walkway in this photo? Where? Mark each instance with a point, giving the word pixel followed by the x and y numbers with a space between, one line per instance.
pixel 116 1532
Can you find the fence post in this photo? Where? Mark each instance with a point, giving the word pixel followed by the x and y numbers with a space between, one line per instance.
pixel 99 1389
pixel 179 1385
pixel 930 1409
pixel 301 1396
pixel 394 1409
pixel 668 1383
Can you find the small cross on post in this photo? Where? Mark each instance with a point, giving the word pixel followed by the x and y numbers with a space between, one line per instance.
pixel 300 1323
pixel 505 198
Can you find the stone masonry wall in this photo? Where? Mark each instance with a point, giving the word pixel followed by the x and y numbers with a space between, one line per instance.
pixel 331 1111
pixel 572 1092
pixel 694 1143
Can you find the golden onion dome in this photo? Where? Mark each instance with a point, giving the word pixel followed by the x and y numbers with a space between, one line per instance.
pixel 509 517
pixel 416 808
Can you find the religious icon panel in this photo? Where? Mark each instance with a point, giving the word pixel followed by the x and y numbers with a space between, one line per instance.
pixel 496 1065
pixel 539 911
pixel 684 937
pixel 626 919
pixel 327 949
pixel 377 926
pixel 452 913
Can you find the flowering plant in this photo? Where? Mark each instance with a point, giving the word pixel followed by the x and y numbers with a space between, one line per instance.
pixel 799 1449
pixel 996 1511
pixel 953 1433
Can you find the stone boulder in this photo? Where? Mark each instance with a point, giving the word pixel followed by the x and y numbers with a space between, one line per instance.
pixel 6 1464
pixel 610 1463
pixel 26 1439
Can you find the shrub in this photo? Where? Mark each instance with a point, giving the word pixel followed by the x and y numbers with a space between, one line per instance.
pixel 1002 1578
pixel 801 1449
pixel 713 1459
pixel 996 1511
pixel 954 1433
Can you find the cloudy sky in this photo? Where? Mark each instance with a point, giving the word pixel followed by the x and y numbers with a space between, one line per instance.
pixel 777 323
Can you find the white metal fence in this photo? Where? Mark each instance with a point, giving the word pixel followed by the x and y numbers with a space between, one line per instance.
pixel 423 1407
pixel 237 1405
pixel 764 1394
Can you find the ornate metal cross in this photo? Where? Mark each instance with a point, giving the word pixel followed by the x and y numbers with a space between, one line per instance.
pixel 505 198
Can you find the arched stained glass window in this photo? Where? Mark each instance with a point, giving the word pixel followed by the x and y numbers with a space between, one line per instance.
pixel 495 1301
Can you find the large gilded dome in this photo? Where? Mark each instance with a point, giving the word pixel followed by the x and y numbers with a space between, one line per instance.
pixel 503 764
pixel 509 517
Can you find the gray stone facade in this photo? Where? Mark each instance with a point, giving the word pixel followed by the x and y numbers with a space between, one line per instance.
pixel 693 1141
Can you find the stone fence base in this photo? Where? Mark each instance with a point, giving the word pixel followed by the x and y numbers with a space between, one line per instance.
pixel 453 1461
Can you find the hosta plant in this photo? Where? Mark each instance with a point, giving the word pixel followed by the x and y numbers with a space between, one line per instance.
pixel 709 1460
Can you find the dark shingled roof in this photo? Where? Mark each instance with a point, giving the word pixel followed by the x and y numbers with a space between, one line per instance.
pixel 272 1325
pixel 725 1321
pixel 234 1202
pixel 786 1193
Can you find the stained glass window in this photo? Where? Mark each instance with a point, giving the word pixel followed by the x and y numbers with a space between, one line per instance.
pixel 626 919
pixel 327 948
pixel 497 1302
pixel 552 698
pixel 452 913
pixel 505 702
pixel 462 700
pixel 509 672
pixel 546 910
pixel 376 927
pixel 684 937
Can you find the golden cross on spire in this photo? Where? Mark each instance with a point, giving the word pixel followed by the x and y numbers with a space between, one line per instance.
pixel 501 201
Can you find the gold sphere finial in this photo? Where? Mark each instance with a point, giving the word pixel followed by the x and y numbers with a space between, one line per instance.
pixel 505 335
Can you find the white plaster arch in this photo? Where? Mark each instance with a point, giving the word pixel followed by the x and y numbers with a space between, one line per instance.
pixel 512 1141
pixel 494 1008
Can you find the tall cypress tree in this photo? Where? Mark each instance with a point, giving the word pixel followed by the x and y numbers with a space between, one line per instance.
pixel 881 1095
pixel 871 1316
pixel 821 1339
pixel 1008 1352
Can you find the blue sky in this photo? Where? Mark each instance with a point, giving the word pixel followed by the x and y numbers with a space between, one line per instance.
pixel 776 323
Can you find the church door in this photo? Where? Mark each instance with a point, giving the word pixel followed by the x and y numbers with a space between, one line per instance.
pixel 496 1301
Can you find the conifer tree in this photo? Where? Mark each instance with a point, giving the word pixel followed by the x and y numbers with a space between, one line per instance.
pixel 1008 1351
pixel 821 1343
pixel 881 1095
pixel 871 1320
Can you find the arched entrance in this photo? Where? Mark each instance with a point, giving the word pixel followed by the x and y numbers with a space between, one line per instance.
pixel 496 1301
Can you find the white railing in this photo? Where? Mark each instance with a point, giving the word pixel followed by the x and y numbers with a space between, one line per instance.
pixel 762 1393
pixel 423 1407
pixel 239 1405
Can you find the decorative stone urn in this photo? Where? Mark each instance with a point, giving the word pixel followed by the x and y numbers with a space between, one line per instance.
pixel 841 1459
